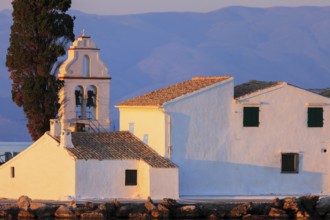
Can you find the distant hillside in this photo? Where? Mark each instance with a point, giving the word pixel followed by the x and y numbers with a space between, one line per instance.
pixel 324 92
pixel 148 51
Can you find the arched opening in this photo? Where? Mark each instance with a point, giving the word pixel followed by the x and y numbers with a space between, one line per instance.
pixel 86 66
pixel 91 103
pixel 79 93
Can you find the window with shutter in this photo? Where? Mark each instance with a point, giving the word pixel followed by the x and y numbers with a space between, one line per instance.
pixel 131 127
pixel 251 117
pixel 315 117
pixel 145 138
pixel 12 172
pixel 290 163
pixel 130 177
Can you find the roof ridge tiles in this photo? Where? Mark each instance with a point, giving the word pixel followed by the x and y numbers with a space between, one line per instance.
pixel 209 77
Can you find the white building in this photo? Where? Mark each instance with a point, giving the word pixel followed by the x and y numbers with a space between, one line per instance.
pixel 259 138
pixel 78 158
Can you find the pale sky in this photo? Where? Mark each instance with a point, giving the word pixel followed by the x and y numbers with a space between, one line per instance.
pixel 116 7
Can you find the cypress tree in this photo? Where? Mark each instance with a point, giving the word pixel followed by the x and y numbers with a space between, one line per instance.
pixel 40 31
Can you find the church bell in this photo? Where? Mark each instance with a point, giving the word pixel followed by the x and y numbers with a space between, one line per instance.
pixel 78 97
pixel 90 100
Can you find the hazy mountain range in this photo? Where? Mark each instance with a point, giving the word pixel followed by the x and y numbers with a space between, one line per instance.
pixel 149 51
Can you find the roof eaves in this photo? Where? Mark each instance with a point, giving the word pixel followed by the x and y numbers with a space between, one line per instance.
pixel 197 91
pixel 54 137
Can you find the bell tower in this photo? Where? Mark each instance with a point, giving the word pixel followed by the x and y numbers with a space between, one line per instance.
pixel 85 96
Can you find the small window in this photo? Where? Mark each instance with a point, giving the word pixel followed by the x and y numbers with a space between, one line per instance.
pixel 315 117
pixel 12 172
pixel 130 177
pixel 290 163
pixel 145 138
pixel 251 117
pixel 131 127
pixel 86 66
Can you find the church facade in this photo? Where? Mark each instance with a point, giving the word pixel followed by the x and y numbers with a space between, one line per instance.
pixel 79 158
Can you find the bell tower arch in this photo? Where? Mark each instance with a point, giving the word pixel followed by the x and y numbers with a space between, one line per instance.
pixel 85 97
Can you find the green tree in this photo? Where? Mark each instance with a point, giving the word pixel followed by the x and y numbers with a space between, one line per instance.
pixel 40 31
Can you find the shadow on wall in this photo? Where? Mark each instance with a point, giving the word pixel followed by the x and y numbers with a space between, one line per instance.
pixel 220 177
pixel 179 132
pixel 211 178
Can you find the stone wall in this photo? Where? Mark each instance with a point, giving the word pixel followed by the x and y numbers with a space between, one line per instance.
pixel 290 207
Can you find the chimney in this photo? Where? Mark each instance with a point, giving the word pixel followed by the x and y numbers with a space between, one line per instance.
pixel 66 139
pixel 55 127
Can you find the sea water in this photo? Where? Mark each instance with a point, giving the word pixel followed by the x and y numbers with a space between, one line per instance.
pixel 11 149
pixel 13 146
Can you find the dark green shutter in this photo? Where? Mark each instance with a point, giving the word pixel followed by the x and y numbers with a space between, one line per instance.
pixel 315 117
pixel 251 117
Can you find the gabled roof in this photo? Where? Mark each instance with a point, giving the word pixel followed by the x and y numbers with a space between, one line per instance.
pixel 252 87
pixel 161 96
pixel 121 145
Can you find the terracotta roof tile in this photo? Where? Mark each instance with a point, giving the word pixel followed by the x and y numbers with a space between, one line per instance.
pixel 121 145
pixel 161 96
pixel 252 87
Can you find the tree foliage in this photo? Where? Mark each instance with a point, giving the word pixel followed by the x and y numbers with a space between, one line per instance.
pixel 40 31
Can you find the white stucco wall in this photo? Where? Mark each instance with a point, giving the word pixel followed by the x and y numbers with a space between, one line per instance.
pixel 105 179
pixel 42 171
pixel 164 183
pixel 200 138
pixel 217 156
pixel 158 183
pixel 147 121
pixel 255 160
pixel 144 179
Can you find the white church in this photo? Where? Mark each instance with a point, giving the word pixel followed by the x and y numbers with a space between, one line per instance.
pixel 78 158
pixel 201 138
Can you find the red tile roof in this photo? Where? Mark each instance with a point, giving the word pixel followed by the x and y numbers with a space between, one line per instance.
pixel 161 96
pixel 121 145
